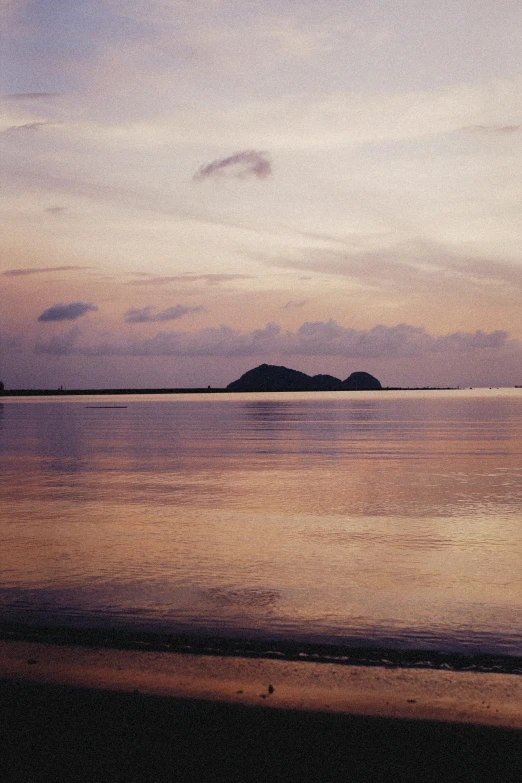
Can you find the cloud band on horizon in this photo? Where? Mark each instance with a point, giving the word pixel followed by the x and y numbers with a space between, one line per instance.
pixel 311 339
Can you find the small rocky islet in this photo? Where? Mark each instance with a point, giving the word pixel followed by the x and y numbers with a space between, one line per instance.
pixel 269 377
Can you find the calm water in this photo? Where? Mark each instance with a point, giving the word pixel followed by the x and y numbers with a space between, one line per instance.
pixel 386 518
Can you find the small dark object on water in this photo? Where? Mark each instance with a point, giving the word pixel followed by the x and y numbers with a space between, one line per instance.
pixel 270 689
pixel 31 661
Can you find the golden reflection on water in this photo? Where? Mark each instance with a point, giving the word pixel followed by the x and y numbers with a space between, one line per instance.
pixel 297 513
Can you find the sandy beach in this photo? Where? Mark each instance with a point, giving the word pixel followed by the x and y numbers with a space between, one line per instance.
pixel 75 713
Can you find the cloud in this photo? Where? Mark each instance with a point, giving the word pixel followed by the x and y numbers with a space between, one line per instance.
pixel 414 265
pixel 56 210
pixel 145 315
pixel 26 126
pixel 293 303
pixel 40 270
pixel 459 341
pixel 209 279
pixel 66 312
pixel 11 341
pixel 403 340
pixel 319 120
pixel 320 338
pixel 495 129
pixel 30 96
pixel 60 345
pixel 242 165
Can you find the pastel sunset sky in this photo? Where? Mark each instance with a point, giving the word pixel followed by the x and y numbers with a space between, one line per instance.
pixel 193 187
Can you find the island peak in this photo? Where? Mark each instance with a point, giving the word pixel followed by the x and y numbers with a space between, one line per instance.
pixel 270 377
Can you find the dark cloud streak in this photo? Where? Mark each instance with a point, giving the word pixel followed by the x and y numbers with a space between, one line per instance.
pixel 31 96
pixel 501 130
pixel 55 210
pixel 209 279
pixel 27 126
pixel 66 312
pixel 295 304
pixel 40 270
pixel 146 315
pixel 250 163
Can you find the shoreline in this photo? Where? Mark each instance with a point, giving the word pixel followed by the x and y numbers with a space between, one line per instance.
pixel 416 694
pixel 85 714
pixel 271 649
pixel 205 390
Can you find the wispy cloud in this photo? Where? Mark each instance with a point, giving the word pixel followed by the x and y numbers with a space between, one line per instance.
pixel 413 265
pixel 501 130
pixel 55 210
pixel 27 126
pixel 209 279
pixel 66 312
pixel 250 163
pixel 295 304
pixel 30 96
pixel 40 270
pixel 146 314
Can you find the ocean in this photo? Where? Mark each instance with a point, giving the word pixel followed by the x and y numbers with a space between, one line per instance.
pixel 385 521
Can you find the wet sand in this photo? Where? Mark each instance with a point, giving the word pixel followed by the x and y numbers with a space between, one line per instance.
pixel 80 714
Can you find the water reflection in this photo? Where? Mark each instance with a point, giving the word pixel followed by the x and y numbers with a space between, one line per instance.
pixel 243 598
pixel 60 434
pixel 363 411
pixel 268 410
pixel 331 516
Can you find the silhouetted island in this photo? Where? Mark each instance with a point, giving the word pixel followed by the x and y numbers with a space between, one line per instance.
pixel 269 377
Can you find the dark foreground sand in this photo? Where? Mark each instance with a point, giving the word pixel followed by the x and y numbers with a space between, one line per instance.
pixel 62 733
pixel 70 714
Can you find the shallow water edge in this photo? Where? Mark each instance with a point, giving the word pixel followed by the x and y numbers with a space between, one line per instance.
pixel 265 649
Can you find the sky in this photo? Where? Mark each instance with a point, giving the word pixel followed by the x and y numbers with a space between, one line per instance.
pixel 191 188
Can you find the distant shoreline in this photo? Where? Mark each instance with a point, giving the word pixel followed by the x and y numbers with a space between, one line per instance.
pixel 68 392
pixel 206 390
